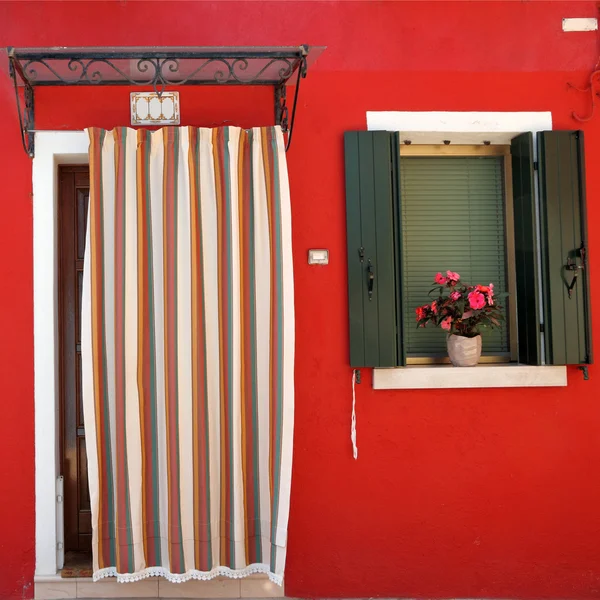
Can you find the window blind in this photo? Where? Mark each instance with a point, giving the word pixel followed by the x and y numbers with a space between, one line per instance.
pixel 453 217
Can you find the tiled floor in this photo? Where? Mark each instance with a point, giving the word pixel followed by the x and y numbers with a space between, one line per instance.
pixel 255 586
pixel 77 564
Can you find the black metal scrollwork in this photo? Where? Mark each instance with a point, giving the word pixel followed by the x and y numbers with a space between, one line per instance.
pixel 26 115
pixel 156 72
pixel 157 68
pixel 281 109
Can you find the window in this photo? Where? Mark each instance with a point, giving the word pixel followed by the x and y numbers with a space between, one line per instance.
pixel 397 203
pixel 456 214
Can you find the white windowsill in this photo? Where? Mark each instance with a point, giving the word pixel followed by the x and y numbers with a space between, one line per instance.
pixel 420 377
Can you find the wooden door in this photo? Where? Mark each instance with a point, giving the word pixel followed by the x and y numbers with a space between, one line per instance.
pixel 74 190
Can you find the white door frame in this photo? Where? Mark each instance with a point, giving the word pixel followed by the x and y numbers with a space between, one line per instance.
pixel 52 148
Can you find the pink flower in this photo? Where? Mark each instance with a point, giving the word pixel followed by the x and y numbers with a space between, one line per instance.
pixel 434 307
pixel 455 295
pixel 421 312
pixel 476 300
pixel 452 277
pixel 439 278
pixel 489 290
pixel 446 323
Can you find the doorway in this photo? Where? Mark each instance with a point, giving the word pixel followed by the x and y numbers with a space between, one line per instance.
pixel 73 198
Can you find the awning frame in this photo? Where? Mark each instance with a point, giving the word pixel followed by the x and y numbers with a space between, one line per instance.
pixel 157 67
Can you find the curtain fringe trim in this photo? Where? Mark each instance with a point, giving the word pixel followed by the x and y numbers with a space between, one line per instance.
pixel 189 575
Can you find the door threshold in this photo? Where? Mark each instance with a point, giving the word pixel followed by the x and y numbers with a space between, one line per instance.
pixel 55 587
pixel 78 565
pixel 59 579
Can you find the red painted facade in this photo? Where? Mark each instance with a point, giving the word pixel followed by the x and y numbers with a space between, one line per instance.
pixel 468 493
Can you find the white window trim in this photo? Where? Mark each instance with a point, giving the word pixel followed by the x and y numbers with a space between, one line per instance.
pixel 459 127
pixel 52 148
pixel 497 128
pixel 418 377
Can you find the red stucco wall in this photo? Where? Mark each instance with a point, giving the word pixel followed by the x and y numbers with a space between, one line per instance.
pixel 492 493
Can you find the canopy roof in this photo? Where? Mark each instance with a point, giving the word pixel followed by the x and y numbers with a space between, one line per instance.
pixel 157 67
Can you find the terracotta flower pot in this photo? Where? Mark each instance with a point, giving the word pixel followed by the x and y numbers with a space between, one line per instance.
pixel 464 351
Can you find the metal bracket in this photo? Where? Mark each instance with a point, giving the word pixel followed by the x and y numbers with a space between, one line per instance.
pixel 573 266
pixel 26 114
pixel 586 374
pixel 281 110
pixel 590 90
pixel 370 279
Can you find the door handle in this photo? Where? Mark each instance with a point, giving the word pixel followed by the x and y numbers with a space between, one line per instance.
pixel 575 268
pixel 370 279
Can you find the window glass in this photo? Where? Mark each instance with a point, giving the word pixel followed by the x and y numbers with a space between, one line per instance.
pixel 453 218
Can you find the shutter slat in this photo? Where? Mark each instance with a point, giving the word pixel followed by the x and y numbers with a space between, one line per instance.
pixel 526 250
pixel 384 263
pixel 562 211
pixel 354 239
pixel 370 225
pixel 366 175
pixel 554 287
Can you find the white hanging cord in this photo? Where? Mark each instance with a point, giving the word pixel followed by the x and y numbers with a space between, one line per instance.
pixel 353 428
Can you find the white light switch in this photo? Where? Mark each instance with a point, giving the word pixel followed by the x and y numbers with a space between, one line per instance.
pixel 580 24
pixel 318 257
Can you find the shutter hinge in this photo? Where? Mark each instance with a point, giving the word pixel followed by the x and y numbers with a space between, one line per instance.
pixel 586 374
pixel 60 546
pixel 542 328
pixel 535 165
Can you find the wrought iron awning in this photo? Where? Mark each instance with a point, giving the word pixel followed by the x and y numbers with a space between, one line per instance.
pixel 157 67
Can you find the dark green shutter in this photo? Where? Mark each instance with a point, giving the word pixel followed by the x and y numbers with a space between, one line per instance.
pixel 526 253
pixel 371 216
pixel 567 326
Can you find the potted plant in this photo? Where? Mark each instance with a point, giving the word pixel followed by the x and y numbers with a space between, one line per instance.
pixel 461 310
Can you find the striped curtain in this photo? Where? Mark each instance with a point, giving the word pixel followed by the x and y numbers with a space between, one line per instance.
pixel 188 352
